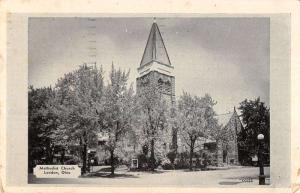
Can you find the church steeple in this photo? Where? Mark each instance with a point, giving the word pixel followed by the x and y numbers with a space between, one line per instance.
pixel 156 69
pixel 155 49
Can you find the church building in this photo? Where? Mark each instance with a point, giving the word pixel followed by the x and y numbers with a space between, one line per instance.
pixel 156 67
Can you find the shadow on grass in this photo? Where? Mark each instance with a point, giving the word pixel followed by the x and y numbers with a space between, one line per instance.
pixel 104 170
pixel 240 178
pixel 108 175
pixel 151 172
pixel 253 177
pixel 195 170
pixel 229 183
pixel 120 173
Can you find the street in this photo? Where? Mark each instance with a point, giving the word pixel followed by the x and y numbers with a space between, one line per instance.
pixel 236 177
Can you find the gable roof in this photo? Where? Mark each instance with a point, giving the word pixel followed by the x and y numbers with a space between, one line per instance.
pixel 155 49
pixel 223 119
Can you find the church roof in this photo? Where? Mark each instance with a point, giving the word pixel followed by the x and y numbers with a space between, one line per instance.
pixel 155 49
pixel 223 119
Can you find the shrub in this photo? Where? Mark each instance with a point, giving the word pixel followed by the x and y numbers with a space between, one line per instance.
pixel 166 164
pixel 143 162
pixel 172 156
pixel 182 161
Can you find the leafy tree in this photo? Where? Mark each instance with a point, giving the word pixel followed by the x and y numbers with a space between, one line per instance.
pixel 115 112
pixel 173 123
pixel 41 124
pixel 77 95
pixel 195 120
pixel 256 118
pixel 151 118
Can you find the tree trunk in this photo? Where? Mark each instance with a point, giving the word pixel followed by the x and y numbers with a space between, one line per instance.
pixel 83 144
pixel 49 154
pixel 62 157
pixel 174 140
pixel 84 158
pixel 191 154
pixel 112 163
pixel 152 159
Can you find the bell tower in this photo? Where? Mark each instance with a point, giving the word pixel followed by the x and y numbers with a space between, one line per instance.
pixel 156 67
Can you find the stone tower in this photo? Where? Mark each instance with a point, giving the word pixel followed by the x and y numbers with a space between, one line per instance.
pixel 156 67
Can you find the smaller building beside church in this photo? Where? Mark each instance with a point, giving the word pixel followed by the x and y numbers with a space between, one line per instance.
pixel 226 149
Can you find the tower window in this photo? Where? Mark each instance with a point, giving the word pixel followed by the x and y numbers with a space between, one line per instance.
pixel 168 87
pixel 160 85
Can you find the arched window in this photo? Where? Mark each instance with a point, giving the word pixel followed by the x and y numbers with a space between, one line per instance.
pixel 160 84
pixel 168 87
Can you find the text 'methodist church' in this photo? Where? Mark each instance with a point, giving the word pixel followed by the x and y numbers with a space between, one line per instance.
pixel 156 67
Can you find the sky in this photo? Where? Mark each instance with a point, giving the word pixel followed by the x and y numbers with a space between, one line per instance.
pixel 227 58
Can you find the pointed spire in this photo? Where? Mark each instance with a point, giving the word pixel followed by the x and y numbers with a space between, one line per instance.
pixel 155 49
pixel 234 111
